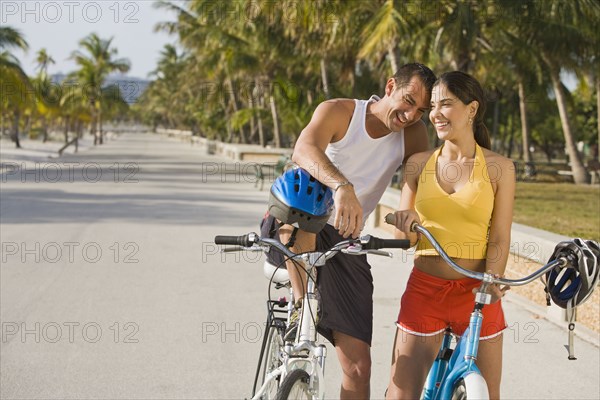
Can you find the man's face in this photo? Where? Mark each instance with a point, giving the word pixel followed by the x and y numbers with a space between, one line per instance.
pixel 407 103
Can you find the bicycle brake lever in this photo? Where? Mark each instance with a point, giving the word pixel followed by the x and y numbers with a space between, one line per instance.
pixel 355 249
pixel 380 253
pixel 358 250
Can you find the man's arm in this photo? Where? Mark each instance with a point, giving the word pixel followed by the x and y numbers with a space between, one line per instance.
pixel 328 124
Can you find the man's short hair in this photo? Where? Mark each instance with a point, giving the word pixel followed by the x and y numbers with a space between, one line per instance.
pixel 407 71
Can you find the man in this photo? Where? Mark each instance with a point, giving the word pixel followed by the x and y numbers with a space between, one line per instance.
pixel 355 147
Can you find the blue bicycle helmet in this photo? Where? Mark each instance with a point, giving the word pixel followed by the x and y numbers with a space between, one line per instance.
pixel 298 198
pixel 573 284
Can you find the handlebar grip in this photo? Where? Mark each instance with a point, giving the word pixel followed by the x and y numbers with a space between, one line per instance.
pixel 376 243
pixel 243 240
pixel 391 219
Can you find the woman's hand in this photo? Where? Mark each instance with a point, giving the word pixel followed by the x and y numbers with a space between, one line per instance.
pixel 403 221
pixel 496 291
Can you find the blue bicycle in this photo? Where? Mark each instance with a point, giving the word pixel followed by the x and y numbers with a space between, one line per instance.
pixel 454 373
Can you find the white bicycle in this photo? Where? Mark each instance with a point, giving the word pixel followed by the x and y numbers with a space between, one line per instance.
pixel 295 369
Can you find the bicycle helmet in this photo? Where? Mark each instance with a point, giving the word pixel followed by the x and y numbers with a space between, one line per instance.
pixel 573 284
pixel 298 198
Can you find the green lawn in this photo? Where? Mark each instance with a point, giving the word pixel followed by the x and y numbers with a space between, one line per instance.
pixel 563 208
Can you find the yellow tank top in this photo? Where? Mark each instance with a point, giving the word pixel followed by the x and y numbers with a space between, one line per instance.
pixel 459 221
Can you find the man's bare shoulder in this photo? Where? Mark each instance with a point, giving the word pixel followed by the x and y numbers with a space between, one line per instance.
pixel 337 106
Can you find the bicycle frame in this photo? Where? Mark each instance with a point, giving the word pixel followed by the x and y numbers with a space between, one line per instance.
pixel 304 352
pixel 452 365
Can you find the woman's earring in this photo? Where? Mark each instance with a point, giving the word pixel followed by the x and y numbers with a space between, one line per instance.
pixel 470 120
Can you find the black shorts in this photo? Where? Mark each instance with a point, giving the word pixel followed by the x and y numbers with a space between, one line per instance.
pixel 345 286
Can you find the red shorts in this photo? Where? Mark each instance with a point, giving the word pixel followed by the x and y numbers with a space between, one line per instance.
pixel 430 304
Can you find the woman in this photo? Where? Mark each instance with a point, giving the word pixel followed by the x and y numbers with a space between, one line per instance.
pixel 463 193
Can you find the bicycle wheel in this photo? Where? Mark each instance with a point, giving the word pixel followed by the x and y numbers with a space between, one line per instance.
pixel 295 386
pixel 470 387
pixel 272 361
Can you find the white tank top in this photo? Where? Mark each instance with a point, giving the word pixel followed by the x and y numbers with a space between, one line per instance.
pixel 366 162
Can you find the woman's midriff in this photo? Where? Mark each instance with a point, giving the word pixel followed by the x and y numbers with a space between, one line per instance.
pixel 436 266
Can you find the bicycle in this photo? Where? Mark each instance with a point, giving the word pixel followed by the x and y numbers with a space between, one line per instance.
pixel 454 373
pixel 295 369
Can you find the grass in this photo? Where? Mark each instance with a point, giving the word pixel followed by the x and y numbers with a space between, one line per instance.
pixel 563 208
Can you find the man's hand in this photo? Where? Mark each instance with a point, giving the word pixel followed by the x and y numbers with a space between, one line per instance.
pixel 348 212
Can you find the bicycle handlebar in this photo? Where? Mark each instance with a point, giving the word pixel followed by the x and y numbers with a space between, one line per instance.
pixel 489 278
pixel 367 242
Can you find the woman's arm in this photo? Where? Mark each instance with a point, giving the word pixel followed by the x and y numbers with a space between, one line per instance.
pixel 499 238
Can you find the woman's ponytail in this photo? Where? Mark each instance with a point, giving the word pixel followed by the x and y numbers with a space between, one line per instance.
pixel 482 135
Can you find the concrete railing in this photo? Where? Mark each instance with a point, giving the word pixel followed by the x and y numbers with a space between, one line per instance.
pixel 238 152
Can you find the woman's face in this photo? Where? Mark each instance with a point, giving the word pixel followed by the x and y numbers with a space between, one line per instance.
pixel 449 115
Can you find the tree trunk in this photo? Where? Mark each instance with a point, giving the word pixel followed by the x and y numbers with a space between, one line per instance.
pixel 253 130
pixel 66 130
pixel 394 54
pixel 79 129
pixel 44 129
pixel 496 118
pixel 511 135
pixel 100 133
pixel 27 128
pixel 598 113
pixel 234 103
pixel 580 175
pixel 324 79
pixel 274 113
pixel 15 129
pixel 524 125
pixel 257 94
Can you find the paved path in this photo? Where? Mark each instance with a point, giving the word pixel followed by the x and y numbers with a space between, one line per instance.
pixel 111 287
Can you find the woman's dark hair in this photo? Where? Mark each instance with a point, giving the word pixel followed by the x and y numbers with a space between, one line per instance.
pixel 467 89
pixel 407 71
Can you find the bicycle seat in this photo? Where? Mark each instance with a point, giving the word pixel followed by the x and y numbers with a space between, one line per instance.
pixel 278 275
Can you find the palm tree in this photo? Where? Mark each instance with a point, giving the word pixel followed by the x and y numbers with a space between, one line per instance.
pixel 383 33
pixel 562 44
pixel 15 84
pixel 47 103
pixel 96 63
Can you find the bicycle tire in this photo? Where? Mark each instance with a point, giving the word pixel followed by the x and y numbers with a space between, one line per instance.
pixel 271 361
pixel 470 387
pixel 295 386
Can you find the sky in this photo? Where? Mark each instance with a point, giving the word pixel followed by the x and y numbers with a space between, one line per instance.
pixel 58 26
